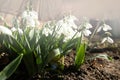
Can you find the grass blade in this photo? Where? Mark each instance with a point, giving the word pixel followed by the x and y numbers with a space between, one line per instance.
pixel 10 68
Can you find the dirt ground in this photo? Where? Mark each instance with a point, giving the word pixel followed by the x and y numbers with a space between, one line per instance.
pixel 94 68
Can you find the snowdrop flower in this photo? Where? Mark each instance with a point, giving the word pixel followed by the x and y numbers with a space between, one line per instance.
pixel 71 18
pixel 68 33
pixel 87 25
pixel 31 18
pixel 108 39
pixel 85 28
pixel 105 27
pixel 48 28
pixel 47 31
pixel 86 32
pixel 5 30
pixel 13 29
pixel 68 21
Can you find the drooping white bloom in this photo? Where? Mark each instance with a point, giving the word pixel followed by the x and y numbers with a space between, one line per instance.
pixel 68 21
pixel 71 18
pixel 105 27
pixel 5 30
pixel 31 18
pixel 86 32
pixel 108 39
pixel 13 29
pixel 87 25
pixel 85 28
pixel 67 32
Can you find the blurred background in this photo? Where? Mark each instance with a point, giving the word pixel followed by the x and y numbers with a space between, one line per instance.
pixel 107 10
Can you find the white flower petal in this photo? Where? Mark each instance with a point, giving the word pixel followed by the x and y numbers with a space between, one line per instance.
pixel 56 52
pixel 13 29
pixel 68 21
pixel 70 18
pixel 86 32
pixel 5 30
pixel 46 31
pixel 99 29
pixel 104 39
pixel 110 40
pixel 88 25
pixel 106 27
pixel 73 25
pixel 34 14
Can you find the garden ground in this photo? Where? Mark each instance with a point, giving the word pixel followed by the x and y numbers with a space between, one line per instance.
pixel 94 68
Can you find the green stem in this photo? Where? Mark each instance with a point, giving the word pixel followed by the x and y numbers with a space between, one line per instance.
pixel 29 63
pixel 95 31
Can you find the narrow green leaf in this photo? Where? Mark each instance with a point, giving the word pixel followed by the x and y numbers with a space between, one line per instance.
pixel 79 58
pixel 10 68
pixel 28 44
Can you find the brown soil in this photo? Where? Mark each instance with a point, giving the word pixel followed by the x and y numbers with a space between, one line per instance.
pixel 92 69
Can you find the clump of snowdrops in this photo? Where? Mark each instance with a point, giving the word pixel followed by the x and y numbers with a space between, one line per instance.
pixel 38 48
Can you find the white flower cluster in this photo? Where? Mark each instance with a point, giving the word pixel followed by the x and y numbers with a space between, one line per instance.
pixel 30 18
pixel 48 29
pixel 68 28
pixel 65 27
pixel 8 31
pixel 106 28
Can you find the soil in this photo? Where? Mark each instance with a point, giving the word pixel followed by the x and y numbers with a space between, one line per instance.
pixel 94 68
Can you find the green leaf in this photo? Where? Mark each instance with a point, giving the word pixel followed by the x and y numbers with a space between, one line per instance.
pixel 38 57
pixel 28 44
pixel 79 58
pixel 14 44
pixel 10 68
